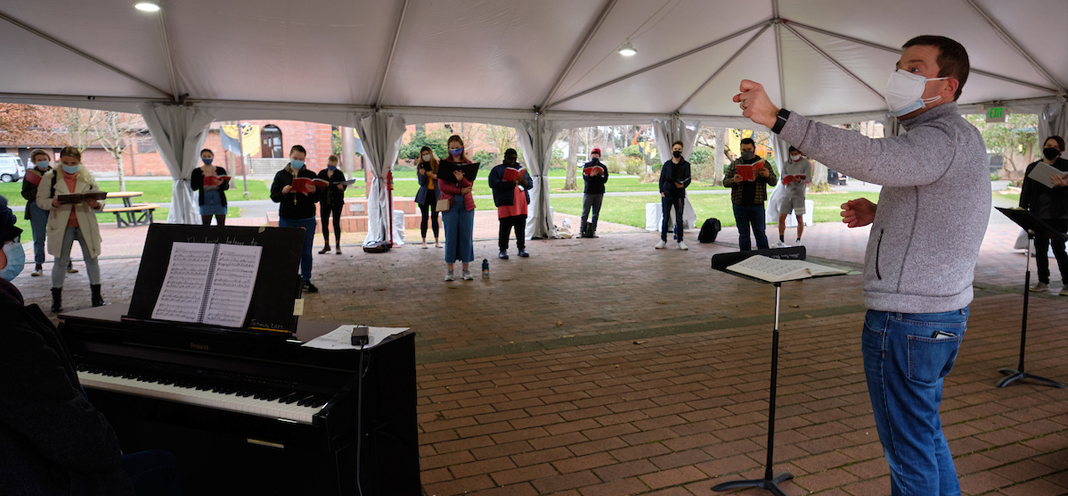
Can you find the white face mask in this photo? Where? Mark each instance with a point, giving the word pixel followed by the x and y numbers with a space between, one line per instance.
pixel 426 157
pixel 795 157
pixel 904 92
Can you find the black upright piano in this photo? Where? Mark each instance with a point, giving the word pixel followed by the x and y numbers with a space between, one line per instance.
pixel 254 413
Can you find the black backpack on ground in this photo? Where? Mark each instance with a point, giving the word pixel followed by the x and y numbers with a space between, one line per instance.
pixel 709 230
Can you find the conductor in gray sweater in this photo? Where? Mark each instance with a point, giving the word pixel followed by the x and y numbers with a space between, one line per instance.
pixel 925 237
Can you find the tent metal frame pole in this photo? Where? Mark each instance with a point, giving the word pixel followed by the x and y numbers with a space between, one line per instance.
pixel 658 64
pixel 590 33
pixel 898 52
pixel 721 68
pixel 1016 45
pixel 167 53
pixel 778 53
pixel 833 61
pixel 389 60
pixel 86 56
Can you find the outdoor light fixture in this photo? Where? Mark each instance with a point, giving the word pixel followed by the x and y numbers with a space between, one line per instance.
pixel 147 6
pixel 627 49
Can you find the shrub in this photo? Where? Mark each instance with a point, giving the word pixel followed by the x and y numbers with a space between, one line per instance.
pixel 488 160
pixel 701 155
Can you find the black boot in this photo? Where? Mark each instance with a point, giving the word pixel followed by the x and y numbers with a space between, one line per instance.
pixel 98 301
pixel 57 300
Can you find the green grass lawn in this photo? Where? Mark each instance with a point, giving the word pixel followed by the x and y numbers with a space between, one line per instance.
pixel 630 210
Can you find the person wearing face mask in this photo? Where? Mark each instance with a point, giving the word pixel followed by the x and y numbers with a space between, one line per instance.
pixel 511 199
pixel 796 173
pixel 37 216
pixel 52 440
pixel 1051 206
pixel 460 218
pixel 593 193
pixel 331 202
pixel 674 179
pixel 297 208
pixel 748 197
pixel 212 199
pixel 925 236
pixel 69 222
pixel 427 197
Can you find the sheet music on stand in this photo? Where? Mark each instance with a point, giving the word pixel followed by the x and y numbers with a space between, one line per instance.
pixel 208 284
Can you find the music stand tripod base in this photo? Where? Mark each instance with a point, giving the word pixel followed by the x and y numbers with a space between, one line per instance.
pixel 1013 374
pixel 770 484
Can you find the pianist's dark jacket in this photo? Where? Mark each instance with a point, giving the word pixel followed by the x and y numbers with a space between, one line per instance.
pixel 52 440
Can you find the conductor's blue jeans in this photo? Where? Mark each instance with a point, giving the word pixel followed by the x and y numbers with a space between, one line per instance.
pixel 309 240
pixel 906 357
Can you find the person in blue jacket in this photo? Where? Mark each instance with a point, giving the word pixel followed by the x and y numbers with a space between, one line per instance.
pixel 511 199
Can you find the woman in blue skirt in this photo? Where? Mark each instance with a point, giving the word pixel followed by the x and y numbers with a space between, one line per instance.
pixel 212 198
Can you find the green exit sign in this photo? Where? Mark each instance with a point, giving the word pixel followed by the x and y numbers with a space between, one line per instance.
pixel 995 114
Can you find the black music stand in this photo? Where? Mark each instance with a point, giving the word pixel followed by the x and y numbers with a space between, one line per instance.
pixel 1031 225
pixel 720 262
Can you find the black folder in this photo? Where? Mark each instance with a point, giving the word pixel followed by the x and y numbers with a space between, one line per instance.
pixel 446 168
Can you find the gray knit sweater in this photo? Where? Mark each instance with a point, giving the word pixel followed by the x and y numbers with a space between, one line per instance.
pixel 933 209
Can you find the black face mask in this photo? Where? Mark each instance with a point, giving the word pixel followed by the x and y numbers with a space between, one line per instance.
pixel 509 160
pixel 1050 153
pixel 676 154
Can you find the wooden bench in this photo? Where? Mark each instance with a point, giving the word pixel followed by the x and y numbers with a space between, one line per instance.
pixel 137 214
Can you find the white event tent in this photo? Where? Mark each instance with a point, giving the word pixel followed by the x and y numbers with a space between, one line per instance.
pixel 538 65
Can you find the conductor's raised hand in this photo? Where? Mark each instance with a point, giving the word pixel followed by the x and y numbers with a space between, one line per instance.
pixel 858 213
pixel 755 103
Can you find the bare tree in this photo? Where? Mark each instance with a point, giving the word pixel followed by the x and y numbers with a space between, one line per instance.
pixel 570 184
pixel 112 130
pixel 502 137
pixel 72 126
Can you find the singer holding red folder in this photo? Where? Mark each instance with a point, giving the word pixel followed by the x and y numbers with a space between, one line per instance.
pixel 296 206
pixel 210 183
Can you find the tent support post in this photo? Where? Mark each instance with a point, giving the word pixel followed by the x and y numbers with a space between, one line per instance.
pixel 721 68
pixel 170 61
pixel 1015 46
pixel 833 61
pixel 658 64
pixel 86 56
pixel 609 4
pixel 898 51
pixel 389 60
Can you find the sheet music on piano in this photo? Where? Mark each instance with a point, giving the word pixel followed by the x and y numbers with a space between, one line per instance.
pixel 208 284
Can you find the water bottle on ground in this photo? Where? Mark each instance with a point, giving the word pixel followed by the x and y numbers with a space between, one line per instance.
pixel 485 268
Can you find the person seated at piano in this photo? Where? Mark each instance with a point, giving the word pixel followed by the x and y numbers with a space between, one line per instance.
pixel 212 198
pixel 297 208
pixel 52 440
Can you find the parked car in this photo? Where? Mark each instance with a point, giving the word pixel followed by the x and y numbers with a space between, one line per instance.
pixel 11 168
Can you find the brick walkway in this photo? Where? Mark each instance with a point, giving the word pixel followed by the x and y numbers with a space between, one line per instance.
pixel 606 367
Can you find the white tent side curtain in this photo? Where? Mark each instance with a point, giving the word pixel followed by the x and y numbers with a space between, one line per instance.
pixel 179 132
pixel 381 133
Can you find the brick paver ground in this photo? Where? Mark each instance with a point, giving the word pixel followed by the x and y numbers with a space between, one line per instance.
pixel 606 367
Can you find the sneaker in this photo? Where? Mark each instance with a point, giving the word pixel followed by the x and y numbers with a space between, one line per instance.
pixel 438 245
pixel 467 276
pixel 503 255
pixel 523 254
pixel 37 271
pixel 425 246
pixel 1040 287
pixel 797 242
pixel 661 245
pixel 448 276
pixel 310 288
pixel 780 244
pixel 682 246
pixel 72 270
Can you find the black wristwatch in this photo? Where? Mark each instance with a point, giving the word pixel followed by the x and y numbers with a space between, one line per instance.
pixel 780 121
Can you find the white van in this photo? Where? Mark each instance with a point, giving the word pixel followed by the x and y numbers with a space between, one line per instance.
pixel 11 168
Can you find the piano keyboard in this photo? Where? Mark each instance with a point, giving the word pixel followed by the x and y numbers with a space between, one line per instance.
pixel 261 401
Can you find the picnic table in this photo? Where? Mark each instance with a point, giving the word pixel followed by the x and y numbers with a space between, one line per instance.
pixel 131 214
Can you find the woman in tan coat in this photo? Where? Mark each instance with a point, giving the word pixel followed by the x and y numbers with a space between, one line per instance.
pixel 67 222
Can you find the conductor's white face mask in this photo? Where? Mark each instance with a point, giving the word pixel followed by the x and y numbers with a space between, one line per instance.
pixel 904 92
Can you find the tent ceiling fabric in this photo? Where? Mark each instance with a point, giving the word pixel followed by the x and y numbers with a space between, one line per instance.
pixel 325 60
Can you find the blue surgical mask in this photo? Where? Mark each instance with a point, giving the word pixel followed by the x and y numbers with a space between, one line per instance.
pixel 331 167
pixel 297 163
pixel 70 169
pixel 208 161
pixel 42 165
pixel 456 152
pixel 16 260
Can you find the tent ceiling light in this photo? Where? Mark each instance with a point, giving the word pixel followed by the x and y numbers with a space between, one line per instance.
pixel 147 6
pixel 627 49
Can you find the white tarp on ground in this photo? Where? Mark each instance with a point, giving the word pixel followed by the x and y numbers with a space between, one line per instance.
pixel 333 60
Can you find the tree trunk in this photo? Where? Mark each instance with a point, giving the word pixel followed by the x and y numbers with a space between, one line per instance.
pixel 117 153
pixel 572 150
